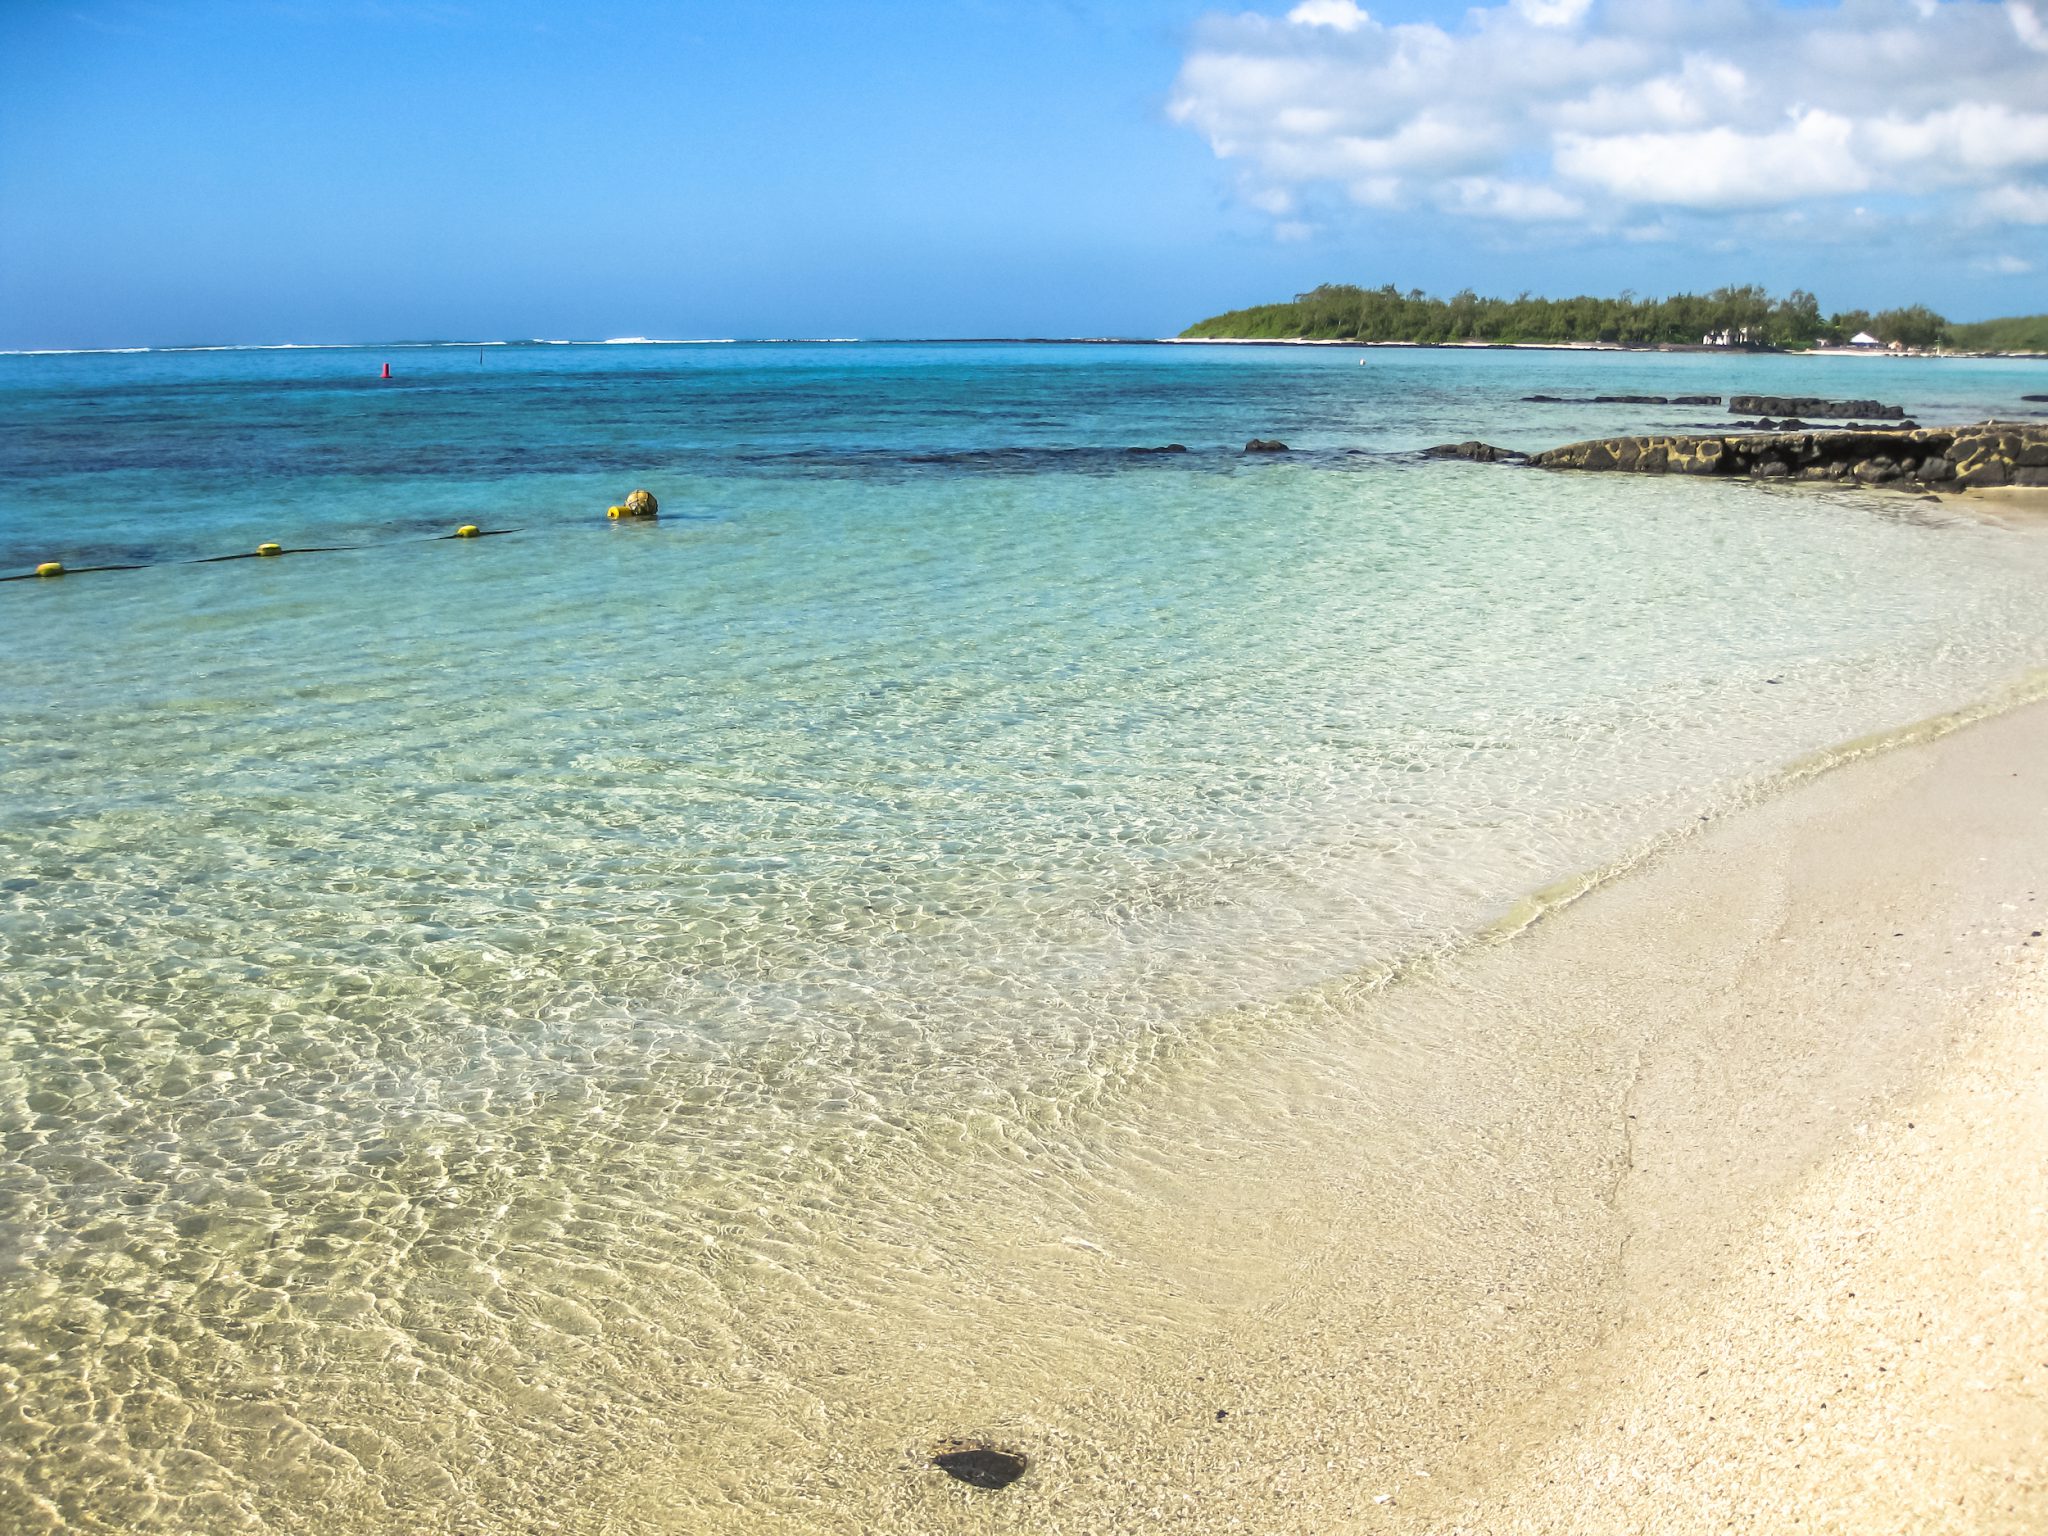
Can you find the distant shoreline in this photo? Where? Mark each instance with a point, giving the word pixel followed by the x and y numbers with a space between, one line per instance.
pixel 1583 346
pixel 1008 341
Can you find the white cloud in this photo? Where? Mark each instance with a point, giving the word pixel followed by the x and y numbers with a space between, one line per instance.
pixel 1343 15
pixel 2005 266
pixel 1559 109
pixel 2015 205
pixel 1553 13
pixel 1518 200
pixel 1719 167
pixel 1973 137
pixel 2027 24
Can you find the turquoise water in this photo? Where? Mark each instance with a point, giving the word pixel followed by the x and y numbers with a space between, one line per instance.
pixel 480 1020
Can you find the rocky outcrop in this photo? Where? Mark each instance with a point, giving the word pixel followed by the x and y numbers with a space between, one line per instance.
pixel 1794 424
pixel 1477 452
pixel 1162 448
pixel 1809 405
pixel 1265 445
pixel 1951 458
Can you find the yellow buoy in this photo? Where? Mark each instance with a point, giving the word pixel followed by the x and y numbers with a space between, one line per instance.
pixel 50 568
pixel 269 549
pixel 615 513
pixel 466 531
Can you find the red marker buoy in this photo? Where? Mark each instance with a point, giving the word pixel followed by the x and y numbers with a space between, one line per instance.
pixel 387 370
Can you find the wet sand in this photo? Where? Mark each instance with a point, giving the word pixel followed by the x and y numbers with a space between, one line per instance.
pixel 1664 1134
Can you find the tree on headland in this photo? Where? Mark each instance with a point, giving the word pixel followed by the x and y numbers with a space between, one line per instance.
pixel 1745 315
pixel 1914 326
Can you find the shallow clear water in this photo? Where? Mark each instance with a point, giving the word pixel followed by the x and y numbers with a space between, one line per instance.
pixel 473 1013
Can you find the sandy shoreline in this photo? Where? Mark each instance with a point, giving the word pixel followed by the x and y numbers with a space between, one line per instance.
pixel 1515 1207
pixel 1837 1302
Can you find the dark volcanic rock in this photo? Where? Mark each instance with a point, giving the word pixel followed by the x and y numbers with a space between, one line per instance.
pixel 979 1464
pixel 1477 452
pixel 1987 453
pixel 1265 445
pixel 2036 399
pixel 1808 405
pixel 1163 448
pixel 1621 399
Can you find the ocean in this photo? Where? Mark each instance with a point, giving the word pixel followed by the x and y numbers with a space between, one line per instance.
pixel 646 1026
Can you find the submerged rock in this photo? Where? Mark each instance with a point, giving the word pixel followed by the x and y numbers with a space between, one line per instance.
pixel 1811 405
pixel 1265 445
pixel 1165 448
pixel 1477 452
pixel 979 1464
pixel 1621 399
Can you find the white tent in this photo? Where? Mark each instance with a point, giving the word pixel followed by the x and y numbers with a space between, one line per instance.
pixel 1864 339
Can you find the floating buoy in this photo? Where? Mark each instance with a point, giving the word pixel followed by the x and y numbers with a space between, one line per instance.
pixel 269 549
pixel 614 513
pixel 642 504
pixel 50 568
pixel 467 531
pixel 387 370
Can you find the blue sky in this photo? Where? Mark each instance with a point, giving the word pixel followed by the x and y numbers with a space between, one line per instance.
pixel 254 170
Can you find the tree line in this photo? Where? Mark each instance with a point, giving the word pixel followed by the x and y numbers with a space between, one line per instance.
pixel 1344 312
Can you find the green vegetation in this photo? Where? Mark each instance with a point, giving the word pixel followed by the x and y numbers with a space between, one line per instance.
pixel 2021 333
pixel 1341 312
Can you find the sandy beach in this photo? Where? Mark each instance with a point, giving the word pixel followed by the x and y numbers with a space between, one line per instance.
pixel 1833 1300
pixel 1811 1297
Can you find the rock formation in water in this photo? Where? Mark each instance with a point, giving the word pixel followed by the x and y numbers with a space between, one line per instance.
pixel 1953 458
pixel 1809 405
pixel 1265 445
pixel 1477 452
pixel 1621 399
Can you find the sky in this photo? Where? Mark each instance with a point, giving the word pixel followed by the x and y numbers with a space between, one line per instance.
pixel 184 171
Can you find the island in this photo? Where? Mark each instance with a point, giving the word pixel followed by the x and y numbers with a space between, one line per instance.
pixel 1743 317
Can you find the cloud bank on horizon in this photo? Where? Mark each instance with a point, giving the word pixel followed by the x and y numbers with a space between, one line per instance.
pixel 1627 118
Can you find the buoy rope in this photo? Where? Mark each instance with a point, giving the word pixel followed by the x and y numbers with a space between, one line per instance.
pixel 262 551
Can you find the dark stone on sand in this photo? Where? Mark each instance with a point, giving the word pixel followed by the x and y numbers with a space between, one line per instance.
pixel 979 1464
pixel 1809 405
pixel 1265 445
pixel 1477 452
